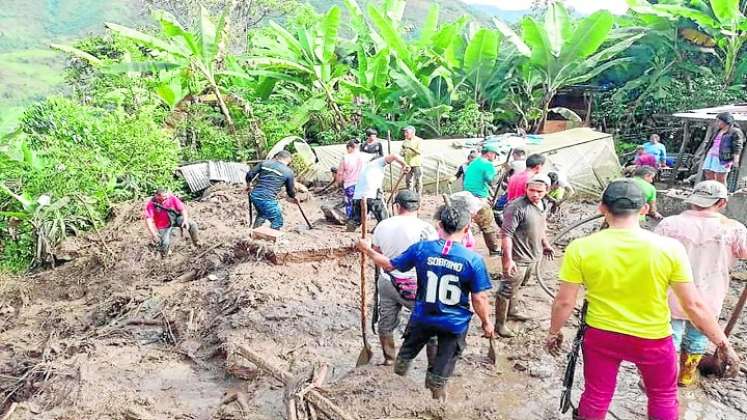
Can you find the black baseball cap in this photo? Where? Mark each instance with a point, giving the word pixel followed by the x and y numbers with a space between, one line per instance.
pixel 623 195
pixel 407 196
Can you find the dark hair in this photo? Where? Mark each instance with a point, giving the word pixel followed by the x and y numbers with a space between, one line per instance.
pixel 553 177
pixel 535 160
pixel 453 218
pixel 351 144
pixel 726 118
pixel 518 152
pixel 371 132
pixel 282 155
pixel 642 171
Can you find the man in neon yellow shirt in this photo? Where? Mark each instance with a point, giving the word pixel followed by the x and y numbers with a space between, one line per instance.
pixel 627 273
pixel 412 151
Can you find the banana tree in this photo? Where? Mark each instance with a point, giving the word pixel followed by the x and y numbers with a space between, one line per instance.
pixel 566 53
pixel 305 60
pixel 188 58
pixel 723 23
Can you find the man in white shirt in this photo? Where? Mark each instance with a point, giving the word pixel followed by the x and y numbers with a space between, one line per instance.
pixel 368 187
pixel 392 237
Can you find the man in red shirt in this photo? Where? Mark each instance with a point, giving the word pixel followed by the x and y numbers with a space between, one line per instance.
pixel 517 184
pixel 163 213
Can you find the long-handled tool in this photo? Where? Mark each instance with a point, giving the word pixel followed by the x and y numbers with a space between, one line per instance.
pixel 306 219
pixel 711 363
pixel 365 356
pixel 492 356
pixel 249 196
pixel 395 189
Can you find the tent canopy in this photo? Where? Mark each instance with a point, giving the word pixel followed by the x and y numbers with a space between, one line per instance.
pixel 585 156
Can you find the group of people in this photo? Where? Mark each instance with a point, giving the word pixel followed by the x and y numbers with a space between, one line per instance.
pixel 653 297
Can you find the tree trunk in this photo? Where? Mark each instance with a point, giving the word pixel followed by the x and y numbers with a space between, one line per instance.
pixel 223 107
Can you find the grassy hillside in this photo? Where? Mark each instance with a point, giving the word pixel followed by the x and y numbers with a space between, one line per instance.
pixel 29 70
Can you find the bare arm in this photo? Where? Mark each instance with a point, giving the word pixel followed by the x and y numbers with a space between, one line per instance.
pixel 151 225
pixel 395 158
pixel 507 246
pixel 378 259
pixel 698 312
pixel 481 305
pixel 185 216
pixel 562 305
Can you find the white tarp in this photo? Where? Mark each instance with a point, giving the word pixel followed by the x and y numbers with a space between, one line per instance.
pixel 587 158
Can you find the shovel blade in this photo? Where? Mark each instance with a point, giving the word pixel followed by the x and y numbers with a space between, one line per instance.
pixel 491 353
pixel 364 357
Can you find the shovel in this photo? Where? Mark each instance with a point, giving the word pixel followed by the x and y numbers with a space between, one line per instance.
pixel 491 353
pixel 365 356
pixel 711 364
pixel 306 219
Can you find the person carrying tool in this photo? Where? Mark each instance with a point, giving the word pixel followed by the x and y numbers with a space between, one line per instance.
pixel 412 152
pixel 560 190
pixel 517 184
pixel 347 174
pixel 368 187
pixel 478 178
pixel 713 243
pixel 524 242
pixel 271 176
pixel 372 144
pixel 449 277
pixel 626 272
pixel 164 212
pixel 657 149
pixel 397 289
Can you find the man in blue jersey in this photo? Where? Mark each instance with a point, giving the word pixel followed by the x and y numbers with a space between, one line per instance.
pixel 448 276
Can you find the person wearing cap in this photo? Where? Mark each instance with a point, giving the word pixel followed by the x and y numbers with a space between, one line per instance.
pixel 397 289
pixel 713 243
pixel 724 149
pixel 644 177
pixel 368 187
pixel 524 242
pixel 271 175
pixel 627 273
pixel 478 178
pixel 372 144
pixel 348 171
pixel 517 184
pixel 412 151
pixel 473 154
pixel 164 212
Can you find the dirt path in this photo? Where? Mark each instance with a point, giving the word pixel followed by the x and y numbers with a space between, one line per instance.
pixel 119 333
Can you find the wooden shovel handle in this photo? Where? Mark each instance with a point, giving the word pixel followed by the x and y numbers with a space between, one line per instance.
pixel 364 216
pixel 737 311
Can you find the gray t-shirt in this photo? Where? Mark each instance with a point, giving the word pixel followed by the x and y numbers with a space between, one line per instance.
pixel 524 223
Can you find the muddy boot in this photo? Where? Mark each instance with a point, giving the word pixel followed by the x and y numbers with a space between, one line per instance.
pixel 193 234
pixel 431 350
pixel 688 369
pixel 514 314
pixel 401 366
pixel 437 385
pixel 501 314
pixel 387 347
pixel 492 243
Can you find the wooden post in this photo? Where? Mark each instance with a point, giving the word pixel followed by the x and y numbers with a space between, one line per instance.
pixel 683 146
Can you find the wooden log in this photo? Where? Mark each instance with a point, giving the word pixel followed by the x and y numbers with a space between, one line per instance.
pixel 320 401
pixel 683 147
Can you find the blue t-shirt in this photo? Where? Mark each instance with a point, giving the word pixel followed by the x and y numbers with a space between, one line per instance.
pixel 271 175
pixel 447 273
pixel 658 150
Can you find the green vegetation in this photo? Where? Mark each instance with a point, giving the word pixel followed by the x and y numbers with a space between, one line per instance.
pixel 222 80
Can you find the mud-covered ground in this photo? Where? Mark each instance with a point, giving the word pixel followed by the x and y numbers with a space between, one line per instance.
pixel 120 333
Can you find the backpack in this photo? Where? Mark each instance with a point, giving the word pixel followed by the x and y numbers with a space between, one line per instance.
pixel 175 217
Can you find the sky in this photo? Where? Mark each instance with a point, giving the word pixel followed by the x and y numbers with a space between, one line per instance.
pixel 581 6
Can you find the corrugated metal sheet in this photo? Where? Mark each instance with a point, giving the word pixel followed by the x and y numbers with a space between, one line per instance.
pixel 200 175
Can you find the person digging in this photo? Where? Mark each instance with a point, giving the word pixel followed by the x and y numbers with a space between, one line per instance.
pixel 271 176
pixel 449 278
pixel 164 212
pixel 524 244
pixel 397 289
pixel 478 177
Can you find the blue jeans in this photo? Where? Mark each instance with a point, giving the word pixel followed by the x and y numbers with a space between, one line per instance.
pixel 687 338
pixel 267 209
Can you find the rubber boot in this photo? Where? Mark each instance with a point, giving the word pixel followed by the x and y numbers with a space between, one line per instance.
pixel 688 369
pixel 387 347
pixel 492 243
pixel 514 314
pixel 193 234
pixel 439 394
pixel 437 385
pixel 501 314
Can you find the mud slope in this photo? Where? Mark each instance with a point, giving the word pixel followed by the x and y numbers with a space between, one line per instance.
pixel 120 333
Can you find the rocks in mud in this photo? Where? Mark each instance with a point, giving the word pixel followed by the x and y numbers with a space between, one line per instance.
pixel 541 369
